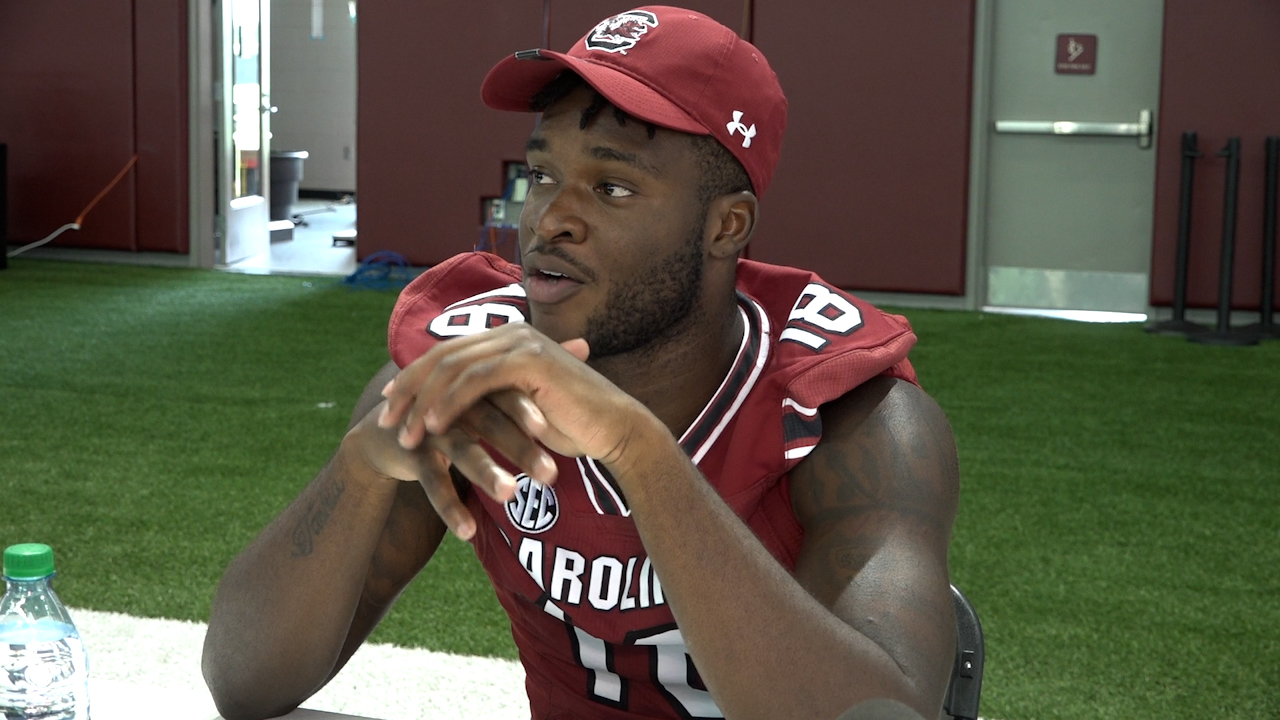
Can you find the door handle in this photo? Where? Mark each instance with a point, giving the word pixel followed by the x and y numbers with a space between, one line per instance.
pixel 1140 129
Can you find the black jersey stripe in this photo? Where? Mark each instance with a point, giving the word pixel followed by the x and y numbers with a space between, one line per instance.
pixel 601 492
pixel 798 427
pixel 725 397
pixel 610 487
pixel 599 498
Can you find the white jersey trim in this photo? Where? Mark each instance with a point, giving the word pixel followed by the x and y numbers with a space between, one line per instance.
pixel 788 402
pixel 799 452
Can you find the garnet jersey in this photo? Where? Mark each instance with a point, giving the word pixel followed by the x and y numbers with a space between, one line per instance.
pixel 587 611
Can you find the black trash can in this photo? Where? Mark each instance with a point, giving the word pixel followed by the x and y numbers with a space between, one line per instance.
pixel 286 174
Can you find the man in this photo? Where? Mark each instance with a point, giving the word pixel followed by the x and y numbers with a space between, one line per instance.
pixel 702 487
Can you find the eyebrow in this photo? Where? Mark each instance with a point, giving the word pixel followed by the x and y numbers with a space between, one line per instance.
pixel 601 152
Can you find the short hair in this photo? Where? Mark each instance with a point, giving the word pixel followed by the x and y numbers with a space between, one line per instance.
pixel 722 174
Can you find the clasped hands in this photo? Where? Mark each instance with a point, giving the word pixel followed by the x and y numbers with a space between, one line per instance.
pixel 510 388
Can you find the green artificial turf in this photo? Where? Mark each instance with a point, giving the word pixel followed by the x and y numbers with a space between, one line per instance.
pixel 1119 528
pixel 153 420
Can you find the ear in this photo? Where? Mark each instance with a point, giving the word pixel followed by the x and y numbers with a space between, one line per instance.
pixel 731 220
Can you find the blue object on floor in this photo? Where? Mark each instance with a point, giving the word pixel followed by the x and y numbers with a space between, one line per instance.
pixel 385 270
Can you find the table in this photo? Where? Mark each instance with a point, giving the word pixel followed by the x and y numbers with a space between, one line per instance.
pixel 115 700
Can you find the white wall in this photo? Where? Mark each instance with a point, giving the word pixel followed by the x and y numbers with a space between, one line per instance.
pixel 313 82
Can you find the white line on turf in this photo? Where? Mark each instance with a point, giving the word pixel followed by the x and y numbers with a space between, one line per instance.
pixel 380 681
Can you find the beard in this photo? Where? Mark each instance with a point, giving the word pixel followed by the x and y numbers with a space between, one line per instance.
pixel 644 312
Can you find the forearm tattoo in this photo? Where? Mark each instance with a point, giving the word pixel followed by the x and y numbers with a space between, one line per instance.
pixel 316 516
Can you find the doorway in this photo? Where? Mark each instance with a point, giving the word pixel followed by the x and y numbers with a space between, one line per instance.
pixel 285 93
pixel 1070 165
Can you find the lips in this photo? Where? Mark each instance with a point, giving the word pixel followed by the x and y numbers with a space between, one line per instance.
pixel 549 279
pixel 547 288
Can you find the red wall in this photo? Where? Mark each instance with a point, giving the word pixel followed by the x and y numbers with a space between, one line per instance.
pixel 872 187
pixel 161 125
pixel 1220 78
pixel 571 19
pixel 84 87
pixel 429 148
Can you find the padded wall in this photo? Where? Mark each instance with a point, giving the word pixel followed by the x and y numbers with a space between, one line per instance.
pixel 571 19
pixel 66 77
pixel 161 125
pixel 429 148
pixel 84 87
pixel 1221 78
pixel 872 187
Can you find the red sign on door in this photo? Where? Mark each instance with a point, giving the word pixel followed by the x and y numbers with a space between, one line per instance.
pixel 1077 54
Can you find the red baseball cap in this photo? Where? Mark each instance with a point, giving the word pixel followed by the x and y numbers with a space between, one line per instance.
pixel 675 68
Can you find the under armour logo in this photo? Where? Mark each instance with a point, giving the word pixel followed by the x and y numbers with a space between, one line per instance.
pixel 738 126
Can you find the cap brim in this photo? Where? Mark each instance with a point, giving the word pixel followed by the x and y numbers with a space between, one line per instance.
pixel 512 83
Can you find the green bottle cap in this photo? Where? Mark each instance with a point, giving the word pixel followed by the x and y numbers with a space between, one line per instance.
pixel 28 561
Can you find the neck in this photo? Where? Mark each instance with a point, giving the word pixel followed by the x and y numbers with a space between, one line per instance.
pixel 676 376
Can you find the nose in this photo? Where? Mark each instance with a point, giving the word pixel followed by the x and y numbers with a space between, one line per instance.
pixel 555 217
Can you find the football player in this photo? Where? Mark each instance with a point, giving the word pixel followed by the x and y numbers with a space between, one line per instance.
pixel 701 486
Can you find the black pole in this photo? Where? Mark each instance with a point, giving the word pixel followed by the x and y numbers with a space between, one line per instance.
pixel 1223 335
pixel 1179 325
pixel 4 206
pixel 1266 329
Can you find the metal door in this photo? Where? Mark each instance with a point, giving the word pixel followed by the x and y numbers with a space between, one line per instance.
pixel 1071 169
pixel 243 131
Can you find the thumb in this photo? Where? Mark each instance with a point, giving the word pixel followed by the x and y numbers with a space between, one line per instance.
pixel 578 348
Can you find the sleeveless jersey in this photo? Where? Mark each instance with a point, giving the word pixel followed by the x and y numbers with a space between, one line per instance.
pixel 587 611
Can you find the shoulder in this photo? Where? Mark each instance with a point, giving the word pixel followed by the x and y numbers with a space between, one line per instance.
pixel 819 326
pixel 822 343
pixel 463 295
pixel 886 449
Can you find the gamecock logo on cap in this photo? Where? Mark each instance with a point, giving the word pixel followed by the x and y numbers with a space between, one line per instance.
pixel 621 32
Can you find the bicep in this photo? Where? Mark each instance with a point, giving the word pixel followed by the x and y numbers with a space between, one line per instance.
pixel 877 499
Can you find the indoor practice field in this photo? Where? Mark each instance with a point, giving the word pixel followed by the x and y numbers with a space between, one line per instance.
pixel 1119 527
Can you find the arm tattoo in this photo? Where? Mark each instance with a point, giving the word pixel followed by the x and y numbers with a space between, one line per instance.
pixel 873 480
pixel 316 517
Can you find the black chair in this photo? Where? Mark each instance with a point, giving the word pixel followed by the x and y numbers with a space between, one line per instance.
pixel 965 688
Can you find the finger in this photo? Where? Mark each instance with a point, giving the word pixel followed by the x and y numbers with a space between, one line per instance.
pixel 403 388
pixel 521 409
pixel 399 397
pixel 578 348
pixel 515 403
pixel 504 370
pixel 441 365
pixel 473 461
pixel 444 496
pixel 486 421
pixel 393 408
pixel 523 360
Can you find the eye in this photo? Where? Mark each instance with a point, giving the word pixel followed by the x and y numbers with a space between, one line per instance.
pixel 538 177
pixel 615 191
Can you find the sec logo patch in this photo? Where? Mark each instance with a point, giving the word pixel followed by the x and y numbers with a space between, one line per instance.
pixel 534 508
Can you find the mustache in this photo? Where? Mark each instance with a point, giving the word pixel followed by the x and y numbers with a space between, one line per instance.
pixel 559 253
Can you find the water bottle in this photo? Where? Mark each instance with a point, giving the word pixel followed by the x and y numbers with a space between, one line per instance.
pixel 43 670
